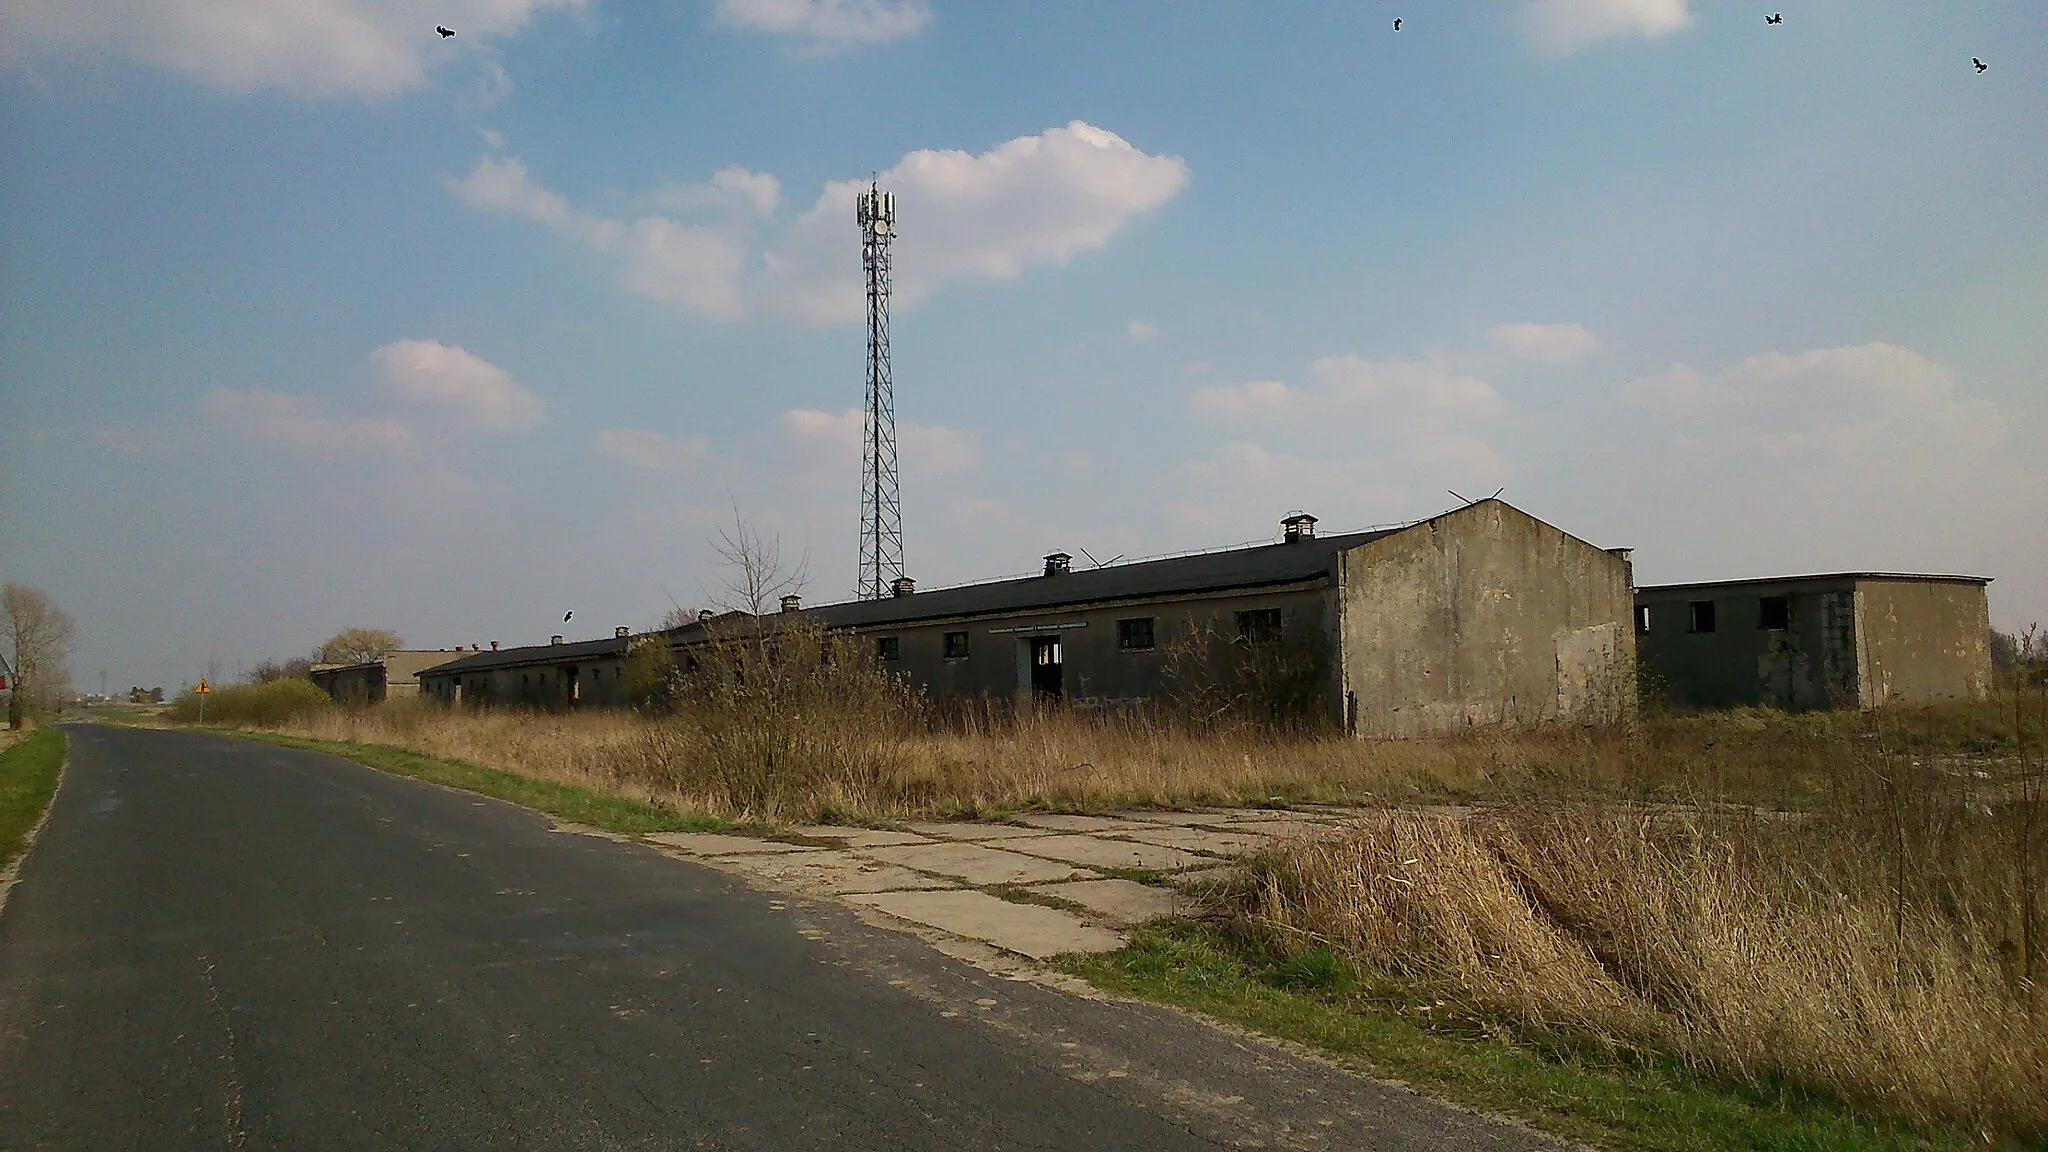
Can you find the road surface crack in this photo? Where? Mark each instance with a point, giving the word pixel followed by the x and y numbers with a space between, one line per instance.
pixel 232 1106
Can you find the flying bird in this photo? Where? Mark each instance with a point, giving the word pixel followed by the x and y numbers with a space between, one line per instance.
pixel 566 615
pixel 1981 66
pixel 1775 18
pixel 1397 23
pixel 444 30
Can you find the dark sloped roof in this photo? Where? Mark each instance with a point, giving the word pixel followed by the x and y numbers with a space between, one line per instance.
pixel 1817 577
pixel 1258 566
pixel 531 654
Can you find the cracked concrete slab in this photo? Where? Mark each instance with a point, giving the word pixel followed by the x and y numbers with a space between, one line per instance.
pixel 1104 853
pixel 1200 840
pixel 718 844
pixel 827 873
pixel 1180 819
pixel 1122 902
pixel 858 837
pixel 971 831
pixel 974 863
pixel 1063 823
pixel 1026 929
pixel 1280 829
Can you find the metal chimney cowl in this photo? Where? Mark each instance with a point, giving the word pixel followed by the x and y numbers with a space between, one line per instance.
pixel 1058 564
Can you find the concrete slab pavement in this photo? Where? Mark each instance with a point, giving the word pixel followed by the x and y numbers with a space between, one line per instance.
pixel 719 844
pixel 1028 929
pixel 975 864
pixel 1121 902
pixel 966 830
pixel 1101 852
pixel 928 873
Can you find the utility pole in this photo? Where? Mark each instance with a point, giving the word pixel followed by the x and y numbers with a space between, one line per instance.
pixel 881 516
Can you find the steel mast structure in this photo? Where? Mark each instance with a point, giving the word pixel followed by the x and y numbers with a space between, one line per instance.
pixel 881 516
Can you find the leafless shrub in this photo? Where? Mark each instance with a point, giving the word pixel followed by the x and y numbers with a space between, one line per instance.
pixel 1216 681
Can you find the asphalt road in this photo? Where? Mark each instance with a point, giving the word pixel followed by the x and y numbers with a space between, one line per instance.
pixel 223 944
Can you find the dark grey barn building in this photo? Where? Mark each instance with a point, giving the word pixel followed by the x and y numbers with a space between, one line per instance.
pixel 1483 615
pixel 1834 640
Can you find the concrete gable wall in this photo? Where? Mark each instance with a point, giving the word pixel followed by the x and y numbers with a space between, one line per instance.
pixel 1923 641
pixel 1485 615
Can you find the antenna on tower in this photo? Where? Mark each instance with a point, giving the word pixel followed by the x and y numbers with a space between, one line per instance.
pixel 881 517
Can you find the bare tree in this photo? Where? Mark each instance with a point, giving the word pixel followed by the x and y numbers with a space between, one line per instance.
pixel 359 645
pixel 38 637
pixel 754 573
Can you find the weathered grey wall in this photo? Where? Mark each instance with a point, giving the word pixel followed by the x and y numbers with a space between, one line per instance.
pixel 599 683
pixel 1923 641
pixel 1484 616
pixel 1810 664
pixel 1097 673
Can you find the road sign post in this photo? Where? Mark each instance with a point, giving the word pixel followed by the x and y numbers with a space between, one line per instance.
pixel 202 690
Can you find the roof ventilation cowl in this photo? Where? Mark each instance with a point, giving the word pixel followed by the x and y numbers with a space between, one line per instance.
pixel 1298 526
pixel 1058 564
pixel 902 586
pixel 792 603
pixel 554 639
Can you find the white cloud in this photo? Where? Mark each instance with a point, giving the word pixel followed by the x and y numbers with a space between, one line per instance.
pixel 1251 400
pixel 696 267
pixel 1032 201
pixel 1834 458
pixel 654 452
pixel 829 24
pixel 732 188
pixel 1142 330
pixel 1425 405
pixel 1547 343
pixel 927 449
pixel 371 49
pixel 1359 434
pixel 458 381
pixel 1559 28
pixel 1245 483
pixel 302 425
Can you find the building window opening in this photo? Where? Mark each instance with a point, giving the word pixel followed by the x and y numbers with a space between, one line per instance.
pixel 1642 619
pixel 1134 635
pixel 1774 613
pixel 956 645
pixel 1700 616
pixel 888 648
pixel 1259 626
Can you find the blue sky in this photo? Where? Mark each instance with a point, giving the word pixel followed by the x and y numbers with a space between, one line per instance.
pixel 313 318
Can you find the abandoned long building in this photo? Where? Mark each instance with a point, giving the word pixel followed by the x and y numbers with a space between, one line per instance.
pixel 1483 615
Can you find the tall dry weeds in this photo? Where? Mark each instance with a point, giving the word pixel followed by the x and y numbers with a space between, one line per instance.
pixel 1749 946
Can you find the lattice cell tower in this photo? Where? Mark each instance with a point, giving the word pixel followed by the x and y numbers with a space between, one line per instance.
pixel 881 516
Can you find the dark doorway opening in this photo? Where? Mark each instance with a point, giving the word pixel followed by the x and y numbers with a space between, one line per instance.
pixel 1047 673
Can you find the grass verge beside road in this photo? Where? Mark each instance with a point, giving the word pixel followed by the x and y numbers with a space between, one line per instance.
pixel 1614 1101
pixel 28 778
pixel 565 802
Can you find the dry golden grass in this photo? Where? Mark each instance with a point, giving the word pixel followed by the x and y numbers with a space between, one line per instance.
pixel 853 764
pixel 1825 950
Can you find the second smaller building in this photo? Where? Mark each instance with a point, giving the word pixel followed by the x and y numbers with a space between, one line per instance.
pixel 1836 640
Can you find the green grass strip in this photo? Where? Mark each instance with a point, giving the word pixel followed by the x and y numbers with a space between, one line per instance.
pixel 1608 1101
pixel 565 802
pixel 28 778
